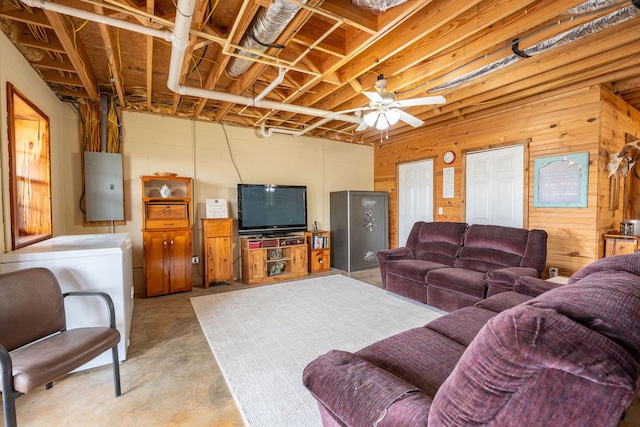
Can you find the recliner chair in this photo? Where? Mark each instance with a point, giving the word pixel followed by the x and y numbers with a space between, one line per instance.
pixel 35 346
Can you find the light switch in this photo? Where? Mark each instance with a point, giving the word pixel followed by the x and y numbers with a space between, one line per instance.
pixel 440 211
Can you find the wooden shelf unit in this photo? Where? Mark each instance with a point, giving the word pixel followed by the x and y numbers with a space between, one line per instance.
pixel 166 235
pixel 319 250
pixel 217 250
pixel 273 259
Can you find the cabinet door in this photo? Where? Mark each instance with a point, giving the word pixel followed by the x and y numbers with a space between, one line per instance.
pixel 179 261
pixel 156 270
pixel 219 262
pixel 319 260
pixel 298 262
pixel 255 267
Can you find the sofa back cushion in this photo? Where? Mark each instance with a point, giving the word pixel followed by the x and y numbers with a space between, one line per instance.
pixel 438 242
pixel 530 366
pixel 490 247
pixel 569 356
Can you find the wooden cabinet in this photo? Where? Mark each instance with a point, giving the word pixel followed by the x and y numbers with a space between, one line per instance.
pixel 319 252
pixel 217 250
pixel 617 244
pixel 166 234
pixel 167 261
pixel 273 259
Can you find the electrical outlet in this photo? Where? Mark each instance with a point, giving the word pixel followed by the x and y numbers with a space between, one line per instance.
pixel 553 271
pixel 195 260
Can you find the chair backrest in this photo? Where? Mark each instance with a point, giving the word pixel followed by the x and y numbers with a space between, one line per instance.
pixel 31 307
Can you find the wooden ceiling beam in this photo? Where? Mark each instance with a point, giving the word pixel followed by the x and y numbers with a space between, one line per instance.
pixel 75 51
pixel 114 62
pixel 36 16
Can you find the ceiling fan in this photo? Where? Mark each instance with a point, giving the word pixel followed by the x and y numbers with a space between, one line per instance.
pixel 386 110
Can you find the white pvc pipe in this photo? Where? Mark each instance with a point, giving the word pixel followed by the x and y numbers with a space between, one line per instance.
pixel 272 85
pixel 96 17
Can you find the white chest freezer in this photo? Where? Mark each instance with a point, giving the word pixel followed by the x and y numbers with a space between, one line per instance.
pixel 87 262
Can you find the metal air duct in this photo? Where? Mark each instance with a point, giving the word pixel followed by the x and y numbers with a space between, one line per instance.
pixel 610 20
pixel 377 7
pixel 267 25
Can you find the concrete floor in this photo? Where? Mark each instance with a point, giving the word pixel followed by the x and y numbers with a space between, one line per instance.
pixel 170 377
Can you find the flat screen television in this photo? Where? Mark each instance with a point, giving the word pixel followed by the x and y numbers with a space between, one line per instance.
pixel 271 209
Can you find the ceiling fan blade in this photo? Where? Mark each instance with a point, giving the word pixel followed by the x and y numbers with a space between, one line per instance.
pixel 373 96
pixel 409 119
pixel 362 126
pixel 428 100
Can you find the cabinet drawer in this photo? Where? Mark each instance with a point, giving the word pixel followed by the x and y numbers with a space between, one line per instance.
pixel 218 228
pixel 167 215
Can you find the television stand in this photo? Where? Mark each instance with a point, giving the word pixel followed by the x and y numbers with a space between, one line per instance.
pixel 272 259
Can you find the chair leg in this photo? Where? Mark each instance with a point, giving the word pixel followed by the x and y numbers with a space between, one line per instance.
pixel 116 370
pixel 9 408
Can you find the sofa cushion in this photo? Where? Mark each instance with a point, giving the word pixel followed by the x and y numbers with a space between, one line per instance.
pixel 462 325
pixel 490 247
pixel 419 356
pixel 503 301
pixel 412 269
pixel 440 242
pixel 616 313
pixel 461 280
pixel 529 356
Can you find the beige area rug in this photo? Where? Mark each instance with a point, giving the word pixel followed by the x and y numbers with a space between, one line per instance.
pixel 263 338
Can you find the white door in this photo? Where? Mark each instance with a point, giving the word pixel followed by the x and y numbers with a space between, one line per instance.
pixel 495 187
pixel 415 196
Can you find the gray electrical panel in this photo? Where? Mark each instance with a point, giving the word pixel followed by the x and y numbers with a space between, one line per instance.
pixel 359 228
pixel 104 199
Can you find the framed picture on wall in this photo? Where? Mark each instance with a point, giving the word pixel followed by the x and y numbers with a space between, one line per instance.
pixel 29 170
pixel 561 181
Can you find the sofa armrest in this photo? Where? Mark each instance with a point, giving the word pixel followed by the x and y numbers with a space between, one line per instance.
pixel 359 393
pixel 504 279
pixel 395 254
pixel 534 286
pixel 392 255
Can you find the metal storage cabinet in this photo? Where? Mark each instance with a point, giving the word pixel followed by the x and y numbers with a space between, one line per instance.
pixel 359 228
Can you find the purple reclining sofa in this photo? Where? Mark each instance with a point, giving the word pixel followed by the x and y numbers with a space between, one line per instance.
pixel 450 265
pixel 542 354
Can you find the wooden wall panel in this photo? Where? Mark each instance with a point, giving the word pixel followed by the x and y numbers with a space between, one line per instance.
pixel 561 124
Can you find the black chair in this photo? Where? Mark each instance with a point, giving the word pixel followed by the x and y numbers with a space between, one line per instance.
pixel 35 346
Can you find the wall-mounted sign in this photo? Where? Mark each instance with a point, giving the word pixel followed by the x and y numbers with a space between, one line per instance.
pixel 561 181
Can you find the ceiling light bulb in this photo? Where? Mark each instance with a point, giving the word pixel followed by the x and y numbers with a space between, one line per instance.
pixel 370 118
pixel 393 115
pixel 382 123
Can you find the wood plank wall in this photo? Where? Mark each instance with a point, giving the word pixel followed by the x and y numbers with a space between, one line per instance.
pixel 585 120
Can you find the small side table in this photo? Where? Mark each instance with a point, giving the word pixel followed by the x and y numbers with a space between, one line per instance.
pixel 217 250
pixel 618 244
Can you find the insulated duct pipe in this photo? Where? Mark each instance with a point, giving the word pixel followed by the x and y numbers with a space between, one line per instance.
pixel 179 40
pixel 265 28
pixel 610 20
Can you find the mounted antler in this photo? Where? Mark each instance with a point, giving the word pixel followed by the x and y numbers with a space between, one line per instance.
pixel 615 160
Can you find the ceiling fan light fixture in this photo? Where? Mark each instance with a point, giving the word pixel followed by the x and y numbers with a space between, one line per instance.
pixel 382 122
pixel 370 118
pixel 393 116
